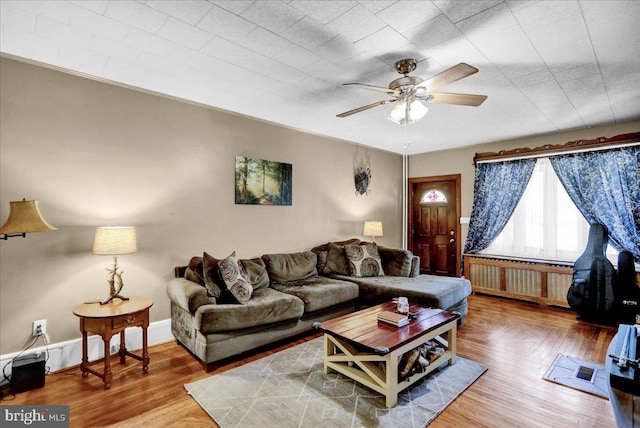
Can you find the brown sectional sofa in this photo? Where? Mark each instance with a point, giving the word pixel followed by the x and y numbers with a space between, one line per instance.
pixel 290 293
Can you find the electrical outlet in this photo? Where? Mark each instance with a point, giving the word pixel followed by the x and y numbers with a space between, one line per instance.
pixel 42 325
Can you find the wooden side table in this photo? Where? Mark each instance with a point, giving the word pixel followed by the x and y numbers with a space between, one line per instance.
pixel 107 320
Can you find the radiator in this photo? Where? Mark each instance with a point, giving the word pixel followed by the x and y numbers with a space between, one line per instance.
pixel 542 282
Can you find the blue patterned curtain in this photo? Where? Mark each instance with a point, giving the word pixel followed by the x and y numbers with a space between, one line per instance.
pixel 497 190
pixel 605 186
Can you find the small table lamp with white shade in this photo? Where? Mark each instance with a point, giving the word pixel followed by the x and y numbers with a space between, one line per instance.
pixel 372 229
pixel 113 241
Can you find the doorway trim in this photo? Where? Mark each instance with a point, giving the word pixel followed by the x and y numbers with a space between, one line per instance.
pixel 419 180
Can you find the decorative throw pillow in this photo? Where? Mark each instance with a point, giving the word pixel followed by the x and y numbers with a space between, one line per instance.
pixel 322 251
pixel 233 276
pixel 396 262
pixel 322 260
pixel 212 279
pixel 194 271
pixel 363 260
pixel 336 261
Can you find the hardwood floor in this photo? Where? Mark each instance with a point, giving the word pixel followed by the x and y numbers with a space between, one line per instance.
pixel 517 341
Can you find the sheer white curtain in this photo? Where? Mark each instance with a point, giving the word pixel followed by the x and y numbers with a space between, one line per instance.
pixel 545 224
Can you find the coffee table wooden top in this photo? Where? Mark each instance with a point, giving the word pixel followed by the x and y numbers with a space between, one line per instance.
pixel 362 328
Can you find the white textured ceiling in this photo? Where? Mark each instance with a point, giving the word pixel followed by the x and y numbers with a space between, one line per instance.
pixel 546 66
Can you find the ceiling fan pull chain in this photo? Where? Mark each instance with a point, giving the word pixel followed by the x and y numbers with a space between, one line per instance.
pixel 406 135
pixel 407 110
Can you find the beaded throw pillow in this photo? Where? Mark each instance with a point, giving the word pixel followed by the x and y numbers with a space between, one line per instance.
pixel 364 260
pixel 234 278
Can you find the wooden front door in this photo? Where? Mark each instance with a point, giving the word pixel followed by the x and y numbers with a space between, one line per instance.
pixel 434 223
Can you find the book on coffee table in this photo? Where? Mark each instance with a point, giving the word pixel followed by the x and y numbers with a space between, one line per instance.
pixel 393 318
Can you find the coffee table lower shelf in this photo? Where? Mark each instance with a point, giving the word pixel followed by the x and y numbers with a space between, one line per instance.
pixel 363 367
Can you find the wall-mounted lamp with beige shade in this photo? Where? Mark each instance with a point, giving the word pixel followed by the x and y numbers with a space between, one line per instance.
pixel 372 229
pixel 113 241
pixel 24 217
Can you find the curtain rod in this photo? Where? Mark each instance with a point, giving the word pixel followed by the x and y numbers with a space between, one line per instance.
pixel 602 143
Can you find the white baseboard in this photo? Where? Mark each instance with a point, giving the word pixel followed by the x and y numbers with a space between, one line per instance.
pixel 68 354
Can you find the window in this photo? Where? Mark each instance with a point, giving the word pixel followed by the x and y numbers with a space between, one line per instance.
pixel 545 224
pixel 433 196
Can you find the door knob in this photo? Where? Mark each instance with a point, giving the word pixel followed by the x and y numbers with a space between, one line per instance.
pixel 452 240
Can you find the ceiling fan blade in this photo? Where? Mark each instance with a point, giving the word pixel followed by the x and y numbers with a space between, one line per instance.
pixel 373 88
pixel 363 108
pixel 459 99
pixel 450 75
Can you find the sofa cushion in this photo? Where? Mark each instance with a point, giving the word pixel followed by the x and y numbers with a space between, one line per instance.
pixel 396 262
pixel 212 279
pixel 233 276
pixel 320 292
pixel 364 260
pixel 266 306
pixel 194 271
pixel 426 290
pixel 256 272
pixel 290 267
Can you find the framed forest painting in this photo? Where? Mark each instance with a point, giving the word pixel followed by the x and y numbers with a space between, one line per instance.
pixel 262 182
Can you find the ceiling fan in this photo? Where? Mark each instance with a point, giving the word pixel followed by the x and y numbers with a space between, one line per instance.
pixel 412 92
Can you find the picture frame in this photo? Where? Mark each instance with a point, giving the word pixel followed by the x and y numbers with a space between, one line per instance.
pixel 262 182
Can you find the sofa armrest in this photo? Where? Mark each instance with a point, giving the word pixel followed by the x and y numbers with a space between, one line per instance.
pixel 188 295
pixel 415 267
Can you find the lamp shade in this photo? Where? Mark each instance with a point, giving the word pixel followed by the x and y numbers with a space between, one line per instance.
pixel 112 241
pixel 372 228
pixel 398 112
pixel 25 217
pixel 416 111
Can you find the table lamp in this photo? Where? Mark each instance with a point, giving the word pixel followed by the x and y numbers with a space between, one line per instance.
pixel 113 241
pixel 372 229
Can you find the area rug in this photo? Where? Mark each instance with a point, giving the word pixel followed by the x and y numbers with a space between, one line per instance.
pixel 290 389
pixel 579 374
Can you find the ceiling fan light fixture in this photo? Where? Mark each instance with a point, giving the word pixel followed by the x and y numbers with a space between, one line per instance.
pixel 398 112
pixel 409 112
pixel 417 110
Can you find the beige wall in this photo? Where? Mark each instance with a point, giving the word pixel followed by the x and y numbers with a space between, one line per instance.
pixel 94 154
pixel 460 161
